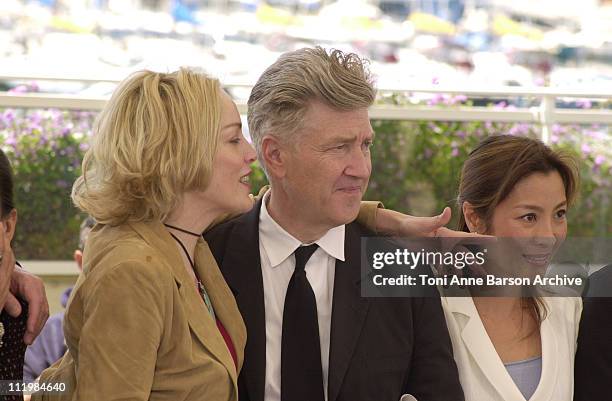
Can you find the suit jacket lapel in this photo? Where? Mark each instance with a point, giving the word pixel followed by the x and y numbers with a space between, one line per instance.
pixel 241 268
pixel 348 312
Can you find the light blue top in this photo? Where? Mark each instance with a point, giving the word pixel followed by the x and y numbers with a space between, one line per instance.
pixel 526 374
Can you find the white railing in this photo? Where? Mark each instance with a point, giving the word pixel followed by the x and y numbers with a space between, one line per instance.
pixel 55 268
pixel 545 114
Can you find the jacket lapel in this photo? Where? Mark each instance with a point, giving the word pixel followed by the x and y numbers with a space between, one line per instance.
pixel 241 268
pixel 200 321
pixel 348 312
pixel 481 348
pixel 222 299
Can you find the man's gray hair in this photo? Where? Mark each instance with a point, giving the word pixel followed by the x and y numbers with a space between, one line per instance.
pixel 281 97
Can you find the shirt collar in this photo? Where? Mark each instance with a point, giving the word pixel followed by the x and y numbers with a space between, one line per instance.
pixel 279 244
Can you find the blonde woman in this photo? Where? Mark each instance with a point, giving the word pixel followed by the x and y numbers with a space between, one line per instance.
pixel 151 317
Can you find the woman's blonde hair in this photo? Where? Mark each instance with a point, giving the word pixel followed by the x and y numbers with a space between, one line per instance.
pixel 155 139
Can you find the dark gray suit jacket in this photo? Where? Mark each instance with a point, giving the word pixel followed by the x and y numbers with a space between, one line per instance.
pixel 380 348
pixel 593 367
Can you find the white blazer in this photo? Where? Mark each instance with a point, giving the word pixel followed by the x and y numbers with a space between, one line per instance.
pixel 483 374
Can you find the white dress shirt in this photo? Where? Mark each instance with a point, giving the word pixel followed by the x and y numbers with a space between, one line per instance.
pixel 483 375
pixel 276 247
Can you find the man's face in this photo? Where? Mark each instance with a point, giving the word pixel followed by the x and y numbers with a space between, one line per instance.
pixel 328 164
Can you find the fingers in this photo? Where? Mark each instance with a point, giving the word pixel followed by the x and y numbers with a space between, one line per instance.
pixel 444 217
pixel 12 306
pixel 32 290
pixel 38 310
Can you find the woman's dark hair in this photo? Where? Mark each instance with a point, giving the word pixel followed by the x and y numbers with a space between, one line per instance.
pixel 499 162
pixel 493 169
pixel 6 186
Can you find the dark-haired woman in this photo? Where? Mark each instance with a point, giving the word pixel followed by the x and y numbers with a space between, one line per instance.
pixel 516 348
pixel 12 329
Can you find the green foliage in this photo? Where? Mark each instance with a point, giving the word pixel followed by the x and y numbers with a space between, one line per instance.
pixel 416 169
pixel 45 148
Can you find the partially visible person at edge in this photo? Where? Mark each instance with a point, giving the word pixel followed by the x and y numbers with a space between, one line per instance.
pixel 593 371
pixel 50 345
pixel 151 317
pixel 17 290
pixel 293 261
pixel 515 348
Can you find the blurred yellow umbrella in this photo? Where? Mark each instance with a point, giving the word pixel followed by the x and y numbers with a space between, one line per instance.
pixel 431 24
pixel 502 25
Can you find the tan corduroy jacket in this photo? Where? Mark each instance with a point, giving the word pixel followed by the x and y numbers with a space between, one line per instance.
pixel 136 327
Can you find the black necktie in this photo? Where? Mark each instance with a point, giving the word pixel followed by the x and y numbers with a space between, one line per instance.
pixel 301 372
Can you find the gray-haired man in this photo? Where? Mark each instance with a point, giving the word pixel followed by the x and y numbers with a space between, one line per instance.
pixel 311 336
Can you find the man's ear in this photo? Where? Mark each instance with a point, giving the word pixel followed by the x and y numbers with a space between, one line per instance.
pixel 9 224
pixel 78 258
pixel 474 222
pixel 274 155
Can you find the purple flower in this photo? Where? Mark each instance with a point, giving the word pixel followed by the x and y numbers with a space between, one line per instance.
pixel 520 129
pixel 35 127
pixel 554 138
pixel 435 80
pixel 599 160
pixel 11 141
pixel 455 152
pixel 428 153
pixel 8 116
pixel 557 129
pixel 586 149
pixel 500 105
pixel 437 99
pixel 61 184
pixel 19 89
pixel 55 114
pixel 461 134
pixel 584 103
pixel 83 147
pixel 461 98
